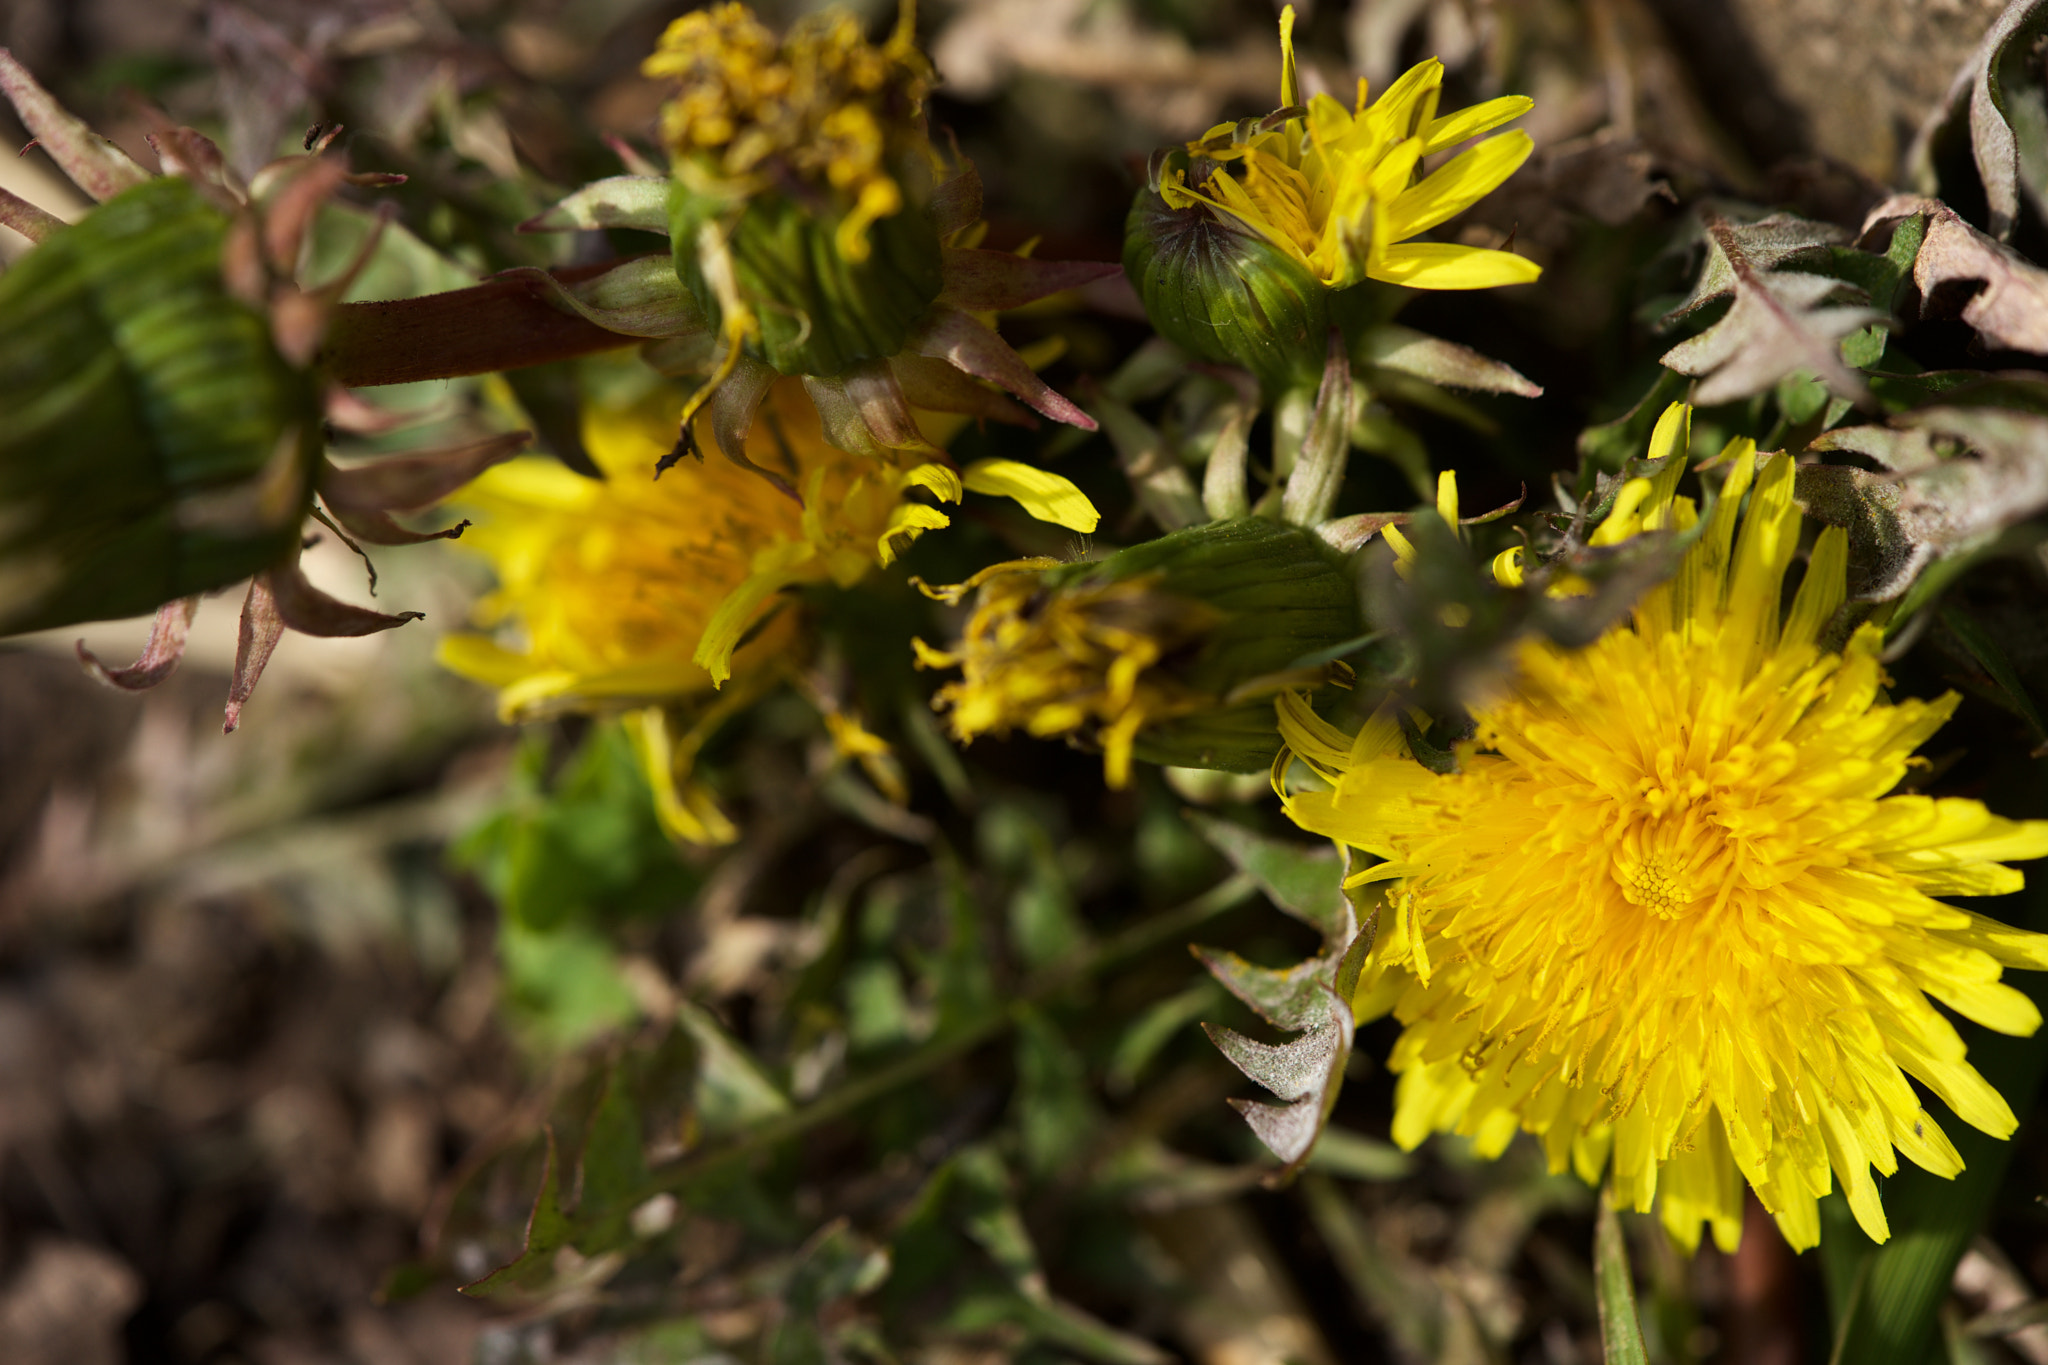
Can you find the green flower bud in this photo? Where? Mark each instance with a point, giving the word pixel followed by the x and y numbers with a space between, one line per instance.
pixel 155 444
pixel 1222 292
pixel 819 309
pixel 1170 651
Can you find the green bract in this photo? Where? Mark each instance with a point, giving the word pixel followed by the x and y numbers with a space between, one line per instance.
pixel 819 311
pixel 155 443
pixel 1280 597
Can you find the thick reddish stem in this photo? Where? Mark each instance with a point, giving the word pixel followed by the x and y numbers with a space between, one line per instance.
pixel 501 324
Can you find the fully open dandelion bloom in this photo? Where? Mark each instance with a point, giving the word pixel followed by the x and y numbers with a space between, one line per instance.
pixel 634 589
pixel 1341 190
pixel 1666 911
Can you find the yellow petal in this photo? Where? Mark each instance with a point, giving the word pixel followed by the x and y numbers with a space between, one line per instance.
pixel 774 570
pixel 1434 265
pixel 943 482
pixel 481 660
pixel 907 523
pixel 1452 129
pixel 1459 183
pixel 1045 495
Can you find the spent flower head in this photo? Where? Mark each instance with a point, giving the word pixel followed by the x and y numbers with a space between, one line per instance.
pixel 1672 910
pixel 1167 651
pixel 821 108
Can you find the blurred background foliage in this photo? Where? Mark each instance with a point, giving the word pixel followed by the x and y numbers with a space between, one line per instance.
pixel 302 1029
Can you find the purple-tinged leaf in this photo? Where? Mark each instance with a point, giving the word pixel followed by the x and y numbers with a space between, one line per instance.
pixel 937 387
pixel 309 611
pixel 991 281
pixel 952 336
pixel 547 1231
pixel 346 412
pixel 733 405
pixel 1931 499
pixel 957 203
pixel 194 155
pixel 25 218
pixel 377 528
pixel 629 156
pixel 874 392
pixel 732 408
pixel 1781 321
pixel 1962 272
pixel 261 628
pixel 289 206
pixel 159 657
pixel 94 164
pixel 406 483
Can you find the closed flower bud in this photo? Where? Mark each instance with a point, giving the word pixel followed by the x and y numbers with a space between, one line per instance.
pixel 156 443
pixel 1169 651
pixel 1222 292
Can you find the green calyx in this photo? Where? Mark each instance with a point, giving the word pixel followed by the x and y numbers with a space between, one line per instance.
pixel 156 444
pixel 1276 594
pixel 819 312
pixel 1226 294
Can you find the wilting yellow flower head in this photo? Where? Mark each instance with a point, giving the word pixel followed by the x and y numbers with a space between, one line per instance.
pixel 1666 910
pixel 1077 661
pixel 1341 190
pixel 821 104
pixel 1167 651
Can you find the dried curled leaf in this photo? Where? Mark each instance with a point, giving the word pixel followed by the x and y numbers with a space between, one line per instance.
pixel 1782 321
pixel 1962 272
pixel 2006 99
pixel 1949 479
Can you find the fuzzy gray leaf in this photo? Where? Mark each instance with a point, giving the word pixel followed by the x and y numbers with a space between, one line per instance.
pixel 1781 321
pixel 1307 1073
pixel 1290 1070
pixel 1735 251
pixel 1285 998
pixel 1441 362
pixel 1952 479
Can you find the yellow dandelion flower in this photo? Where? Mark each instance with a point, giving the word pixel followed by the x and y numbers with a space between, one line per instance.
pixel 1341 191
pixel 819 103
pixel 1672 910
pixel 636 594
